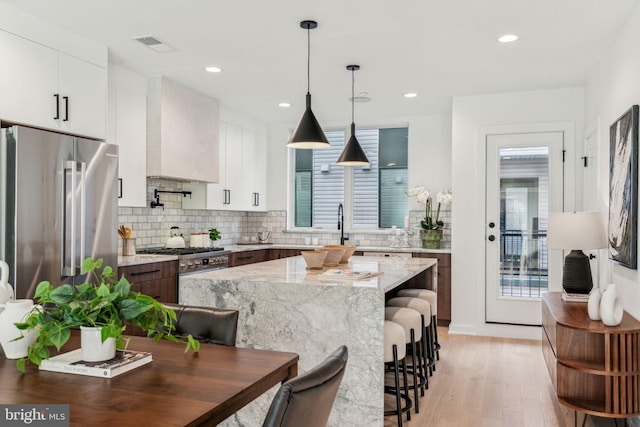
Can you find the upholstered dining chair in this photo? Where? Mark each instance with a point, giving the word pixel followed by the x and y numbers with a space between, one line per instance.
pixel 206 324
pixel 307 399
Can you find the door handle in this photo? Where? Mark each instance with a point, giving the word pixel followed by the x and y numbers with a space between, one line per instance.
pixel 57 97
pixel 492 237
pixel 66 108
pixel 68 269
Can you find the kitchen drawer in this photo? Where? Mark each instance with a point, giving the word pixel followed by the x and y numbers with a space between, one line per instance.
pixel 444 260
pixel 152 271
pixel 247 257
pixel 164 290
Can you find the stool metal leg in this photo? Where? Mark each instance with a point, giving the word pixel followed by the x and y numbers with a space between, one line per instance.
pixel 406 385
pixel 415 371
pixel 396 375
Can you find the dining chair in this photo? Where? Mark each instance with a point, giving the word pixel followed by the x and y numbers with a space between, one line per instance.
pixel 206 324
pixel 307 399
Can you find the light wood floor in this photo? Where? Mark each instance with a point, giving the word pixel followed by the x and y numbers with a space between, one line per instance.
pixel 492 382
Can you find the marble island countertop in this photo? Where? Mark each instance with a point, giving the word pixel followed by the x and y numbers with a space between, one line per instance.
pixel 258 246
pixel 283 306
pixel 395 271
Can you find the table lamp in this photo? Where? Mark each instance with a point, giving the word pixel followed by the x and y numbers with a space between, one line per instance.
pixel 576 231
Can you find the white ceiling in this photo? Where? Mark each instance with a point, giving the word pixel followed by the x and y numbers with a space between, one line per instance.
pixel 437 48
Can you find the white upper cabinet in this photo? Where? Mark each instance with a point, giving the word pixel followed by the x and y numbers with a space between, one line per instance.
pixel 127 119
pixel 254 166
pixel 83 97
pixel 44 87
pixel 242 183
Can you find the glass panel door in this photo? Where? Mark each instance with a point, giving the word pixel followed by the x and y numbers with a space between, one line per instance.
pixel 524 182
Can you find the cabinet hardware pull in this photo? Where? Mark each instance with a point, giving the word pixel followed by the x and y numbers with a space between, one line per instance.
pixel 245 257
pixel 66 108
pixel 119 188
pixel 57 97
pixel 137 273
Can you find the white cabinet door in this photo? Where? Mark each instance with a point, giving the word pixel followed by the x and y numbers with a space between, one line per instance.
pixel 46 88
pixel 128 130
pixel 28 81
pixel 216 193
pixel 236 199
pixel 254 169
pixel 83 93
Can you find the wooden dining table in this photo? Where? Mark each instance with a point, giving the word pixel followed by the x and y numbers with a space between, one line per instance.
pixel 175 389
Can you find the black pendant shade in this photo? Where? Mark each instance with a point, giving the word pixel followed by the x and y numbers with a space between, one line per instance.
pixel 308 133
pixel 353 154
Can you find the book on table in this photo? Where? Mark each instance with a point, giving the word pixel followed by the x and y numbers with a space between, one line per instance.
pixel 350 274
pixel 72 363
pixel 569 297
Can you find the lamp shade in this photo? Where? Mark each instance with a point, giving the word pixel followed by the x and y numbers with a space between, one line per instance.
pixel 308 134
pixel 353 154
pixel 576 230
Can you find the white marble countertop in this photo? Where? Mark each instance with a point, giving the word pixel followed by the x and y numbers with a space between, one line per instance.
pixel 124 261
pixel 292 270
pixel 243 247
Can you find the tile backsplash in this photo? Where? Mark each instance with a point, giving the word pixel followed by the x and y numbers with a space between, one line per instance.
pixel 150 226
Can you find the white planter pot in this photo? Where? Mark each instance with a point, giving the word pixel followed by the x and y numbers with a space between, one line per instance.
pixel 611 309
pixel 215 243
pixel 93 349
pixel 593 305
pixel 16 311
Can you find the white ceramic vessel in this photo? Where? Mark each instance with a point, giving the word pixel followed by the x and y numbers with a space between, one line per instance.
pixel 16 311
pixel 6 291
pixel 593 305
pixel 93 349
pixel 611 309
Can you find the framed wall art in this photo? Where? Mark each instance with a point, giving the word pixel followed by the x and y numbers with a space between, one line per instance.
pixel 623 189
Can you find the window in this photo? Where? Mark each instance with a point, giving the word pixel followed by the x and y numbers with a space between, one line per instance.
pixel 377 196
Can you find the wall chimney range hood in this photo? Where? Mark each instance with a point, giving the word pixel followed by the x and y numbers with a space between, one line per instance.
pixel 182 133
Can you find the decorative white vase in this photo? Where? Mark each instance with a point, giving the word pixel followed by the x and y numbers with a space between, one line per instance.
pixel 593 305
pixel 6 291
pixel 16 311
pixel 611 309
pixel 93 349
pixel 215 243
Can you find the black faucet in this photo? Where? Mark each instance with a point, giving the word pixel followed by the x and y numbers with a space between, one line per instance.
pixel 341 224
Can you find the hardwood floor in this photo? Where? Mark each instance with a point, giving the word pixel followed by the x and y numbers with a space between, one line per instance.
pixel 490 382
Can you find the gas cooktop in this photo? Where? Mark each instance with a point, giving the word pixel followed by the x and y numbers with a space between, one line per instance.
pixel 177 251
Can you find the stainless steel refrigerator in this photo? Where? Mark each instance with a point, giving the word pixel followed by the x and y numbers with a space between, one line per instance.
pixel 59 206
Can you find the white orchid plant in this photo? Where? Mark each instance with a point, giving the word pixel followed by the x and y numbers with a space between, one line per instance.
pixel 423 196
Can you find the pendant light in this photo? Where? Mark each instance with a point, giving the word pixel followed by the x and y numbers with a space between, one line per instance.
pixel 308 134
pixel 353 155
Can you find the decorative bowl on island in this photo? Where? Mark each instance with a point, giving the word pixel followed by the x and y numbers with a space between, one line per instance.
pixel 314 259
pixel 348 251
pixel 334 254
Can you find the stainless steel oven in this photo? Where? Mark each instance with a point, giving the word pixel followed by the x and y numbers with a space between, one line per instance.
pixel 194 260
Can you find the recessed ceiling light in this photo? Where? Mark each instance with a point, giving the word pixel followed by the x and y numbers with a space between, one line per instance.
pixel 284 105
pixel 410 95
pixel 213 69
pixel 508 38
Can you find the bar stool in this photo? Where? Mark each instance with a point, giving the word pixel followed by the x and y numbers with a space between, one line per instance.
pixel 432 297
pixel 424 308
pixel 411 321
pixel 394 352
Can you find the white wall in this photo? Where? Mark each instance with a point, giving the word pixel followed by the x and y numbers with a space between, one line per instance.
pixel 429 154
pixel 471 116
pixel 613 87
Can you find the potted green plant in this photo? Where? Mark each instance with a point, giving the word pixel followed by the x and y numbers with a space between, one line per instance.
pixel 214 236
pixel 108 304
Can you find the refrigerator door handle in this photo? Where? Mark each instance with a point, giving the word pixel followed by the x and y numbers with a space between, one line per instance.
pixel 83 209
pixel 69 269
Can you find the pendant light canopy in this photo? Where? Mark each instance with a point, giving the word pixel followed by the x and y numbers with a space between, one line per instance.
pixel 308 134
pixel 353 155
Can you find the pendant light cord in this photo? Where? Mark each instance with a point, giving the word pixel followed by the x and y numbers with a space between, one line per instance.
pixel 353 79
pixel 308 60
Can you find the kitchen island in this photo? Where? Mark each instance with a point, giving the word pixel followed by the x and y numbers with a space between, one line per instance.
pixel 285 307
